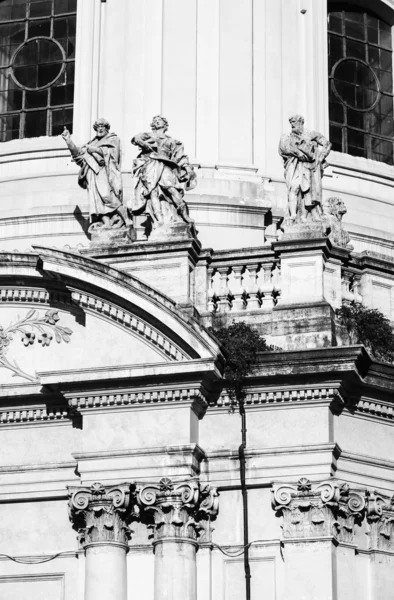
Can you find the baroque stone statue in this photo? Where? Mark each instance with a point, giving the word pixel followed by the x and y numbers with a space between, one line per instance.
pixel 100 174
pixel 162 173
pixel 304 153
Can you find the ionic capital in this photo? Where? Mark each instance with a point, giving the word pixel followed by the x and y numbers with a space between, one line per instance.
pixel 327 509
pixel 179 509
pixel 102 514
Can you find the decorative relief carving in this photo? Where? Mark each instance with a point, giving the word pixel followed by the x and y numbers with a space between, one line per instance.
pixel 380 516
pixel 32 328
pixel 102 513
pixel 318 510
pixel 179 509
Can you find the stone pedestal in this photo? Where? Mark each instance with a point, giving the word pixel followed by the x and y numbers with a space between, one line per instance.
pixel 302 267
pixel 101 515
pixel 181 513
pixel 167 265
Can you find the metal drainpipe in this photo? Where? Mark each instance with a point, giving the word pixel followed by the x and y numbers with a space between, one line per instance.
pixel 242 470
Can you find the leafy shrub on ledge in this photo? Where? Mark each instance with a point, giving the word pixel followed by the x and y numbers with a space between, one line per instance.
pixel 370 327
pixel 241 344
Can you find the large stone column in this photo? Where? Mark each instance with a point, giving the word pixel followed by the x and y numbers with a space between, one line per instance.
pixel 318 532
pixel 180 514
pixel 101 515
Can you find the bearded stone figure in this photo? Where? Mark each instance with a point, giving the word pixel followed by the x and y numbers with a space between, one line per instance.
pixel 304 155
pixel 100 174
pixel 162 173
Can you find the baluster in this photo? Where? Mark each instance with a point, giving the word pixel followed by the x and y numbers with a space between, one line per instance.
pixel 236 289
pixel 347 294
pixel 276 283
pixel 266 286
pixel 356 288
pixel 252 288
pixel 224 304
pixel 212 306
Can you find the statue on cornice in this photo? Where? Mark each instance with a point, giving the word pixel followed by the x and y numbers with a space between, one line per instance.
pixel 304 154
pixel 162 173
pixel 100 174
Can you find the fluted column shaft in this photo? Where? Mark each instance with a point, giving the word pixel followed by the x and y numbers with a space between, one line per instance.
pixel 101 515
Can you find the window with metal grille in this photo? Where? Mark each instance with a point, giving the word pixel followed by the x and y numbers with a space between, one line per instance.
pixel 361 84
pixel 37 59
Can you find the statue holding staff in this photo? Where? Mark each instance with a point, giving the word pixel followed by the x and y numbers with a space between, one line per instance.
pixel 100 174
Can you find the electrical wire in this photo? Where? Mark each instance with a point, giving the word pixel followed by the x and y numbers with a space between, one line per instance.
pixel 38 561
pixel 35 561
pixel 237 552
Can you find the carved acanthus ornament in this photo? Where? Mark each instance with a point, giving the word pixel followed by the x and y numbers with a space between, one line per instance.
pixel 31 328
pixel 380 516
pixel 102 513
pixel 179 509
pixel 319 510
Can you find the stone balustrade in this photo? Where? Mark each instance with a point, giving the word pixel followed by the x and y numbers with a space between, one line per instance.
pixel 235 285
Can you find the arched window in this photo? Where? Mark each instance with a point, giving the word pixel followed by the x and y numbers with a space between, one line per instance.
pixel 361 84
pixel 37 57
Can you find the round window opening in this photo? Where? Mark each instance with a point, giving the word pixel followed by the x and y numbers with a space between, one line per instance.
pixel 356 84
pixel 38 63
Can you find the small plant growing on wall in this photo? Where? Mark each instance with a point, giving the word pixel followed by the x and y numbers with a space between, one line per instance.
pixel 241 344
pixel 368 326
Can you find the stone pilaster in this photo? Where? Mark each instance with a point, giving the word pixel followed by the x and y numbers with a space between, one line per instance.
pixel 181 513
pixel 102 516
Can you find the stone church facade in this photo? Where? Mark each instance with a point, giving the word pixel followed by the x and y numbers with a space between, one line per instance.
pixel 120 470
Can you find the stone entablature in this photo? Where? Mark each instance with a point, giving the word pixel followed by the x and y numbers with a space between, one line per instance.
pixel 179 509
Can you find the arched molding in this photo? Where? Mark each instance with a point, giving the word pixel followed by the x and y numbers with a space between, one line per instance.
pixel 114 295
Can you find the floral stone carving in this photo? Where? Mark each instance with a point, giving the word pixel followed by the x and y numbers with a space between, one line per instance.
pixel 380 516
pixel 179 509
pixel 318 510
pixel 32 328
pixel 102 513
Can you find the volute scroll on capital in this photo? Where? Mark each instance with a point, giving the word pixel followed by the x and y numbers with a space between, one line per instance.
pixel 103 514
pixel 179 509
pixel 318 510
